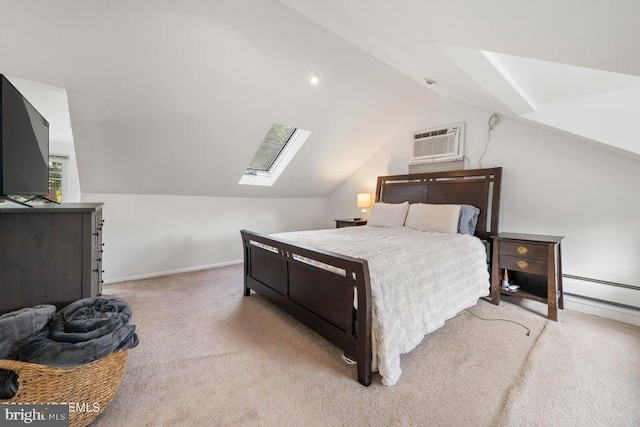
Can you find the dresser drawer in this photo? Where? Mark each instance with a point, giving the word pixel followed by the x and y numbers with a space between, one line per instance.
pixel 523 264
pixel 524 250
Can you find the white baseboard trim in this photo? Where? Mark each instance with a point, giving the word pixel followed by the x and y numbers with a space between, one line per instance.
pixel 169 272
pixel 607 311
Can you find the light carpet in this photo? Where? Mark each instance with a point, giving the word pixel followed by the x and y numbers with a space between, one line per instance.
pixel 209 356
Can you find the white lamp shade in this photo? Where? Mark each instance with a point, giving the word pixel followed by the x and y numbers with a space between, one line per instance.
pixel 364 200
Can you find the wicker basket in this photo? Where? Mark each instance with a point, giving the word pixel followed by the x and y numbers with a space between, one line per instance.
pixel 86 386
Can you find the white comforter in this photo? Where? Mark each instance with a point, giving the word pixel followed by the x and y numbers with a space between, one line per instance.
pixel 418 281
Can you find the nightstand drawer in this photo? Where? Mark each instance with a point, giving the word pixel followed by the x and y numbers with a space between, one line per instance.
pixel 523 264
pixel 524 250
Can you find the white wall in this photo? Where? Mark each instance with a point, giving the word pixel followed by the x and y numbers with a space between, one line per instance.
pixel 148 235
pixel 552 184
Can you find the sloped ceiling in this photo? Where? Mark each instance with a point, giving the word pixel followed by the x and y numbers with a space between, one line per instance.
pixel 174 97
pixel 559 53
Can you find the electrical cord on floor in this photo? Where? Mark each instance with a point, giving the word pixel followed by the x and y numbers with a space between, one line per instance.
pixel 348 360
pixel 502 320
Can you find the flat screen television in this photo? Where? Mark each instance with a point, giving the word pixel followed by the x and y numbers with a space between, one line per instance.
pixel 24 145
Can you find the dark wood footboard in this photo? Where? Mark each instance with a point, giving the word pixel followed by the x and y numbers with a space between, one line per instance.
pixel 321 297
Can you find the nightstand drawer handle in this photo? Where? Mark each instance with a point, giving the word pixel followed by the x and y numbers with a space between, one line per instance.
pixel 522 250
pixel 523 264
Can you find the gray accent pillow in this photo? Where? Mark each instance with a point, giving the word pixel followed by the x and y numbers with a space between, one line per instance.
pixel 468 219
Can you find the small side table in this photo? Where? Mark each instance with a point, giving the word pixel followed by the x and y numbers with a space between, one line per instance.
pixel 533 262
pixel 350 222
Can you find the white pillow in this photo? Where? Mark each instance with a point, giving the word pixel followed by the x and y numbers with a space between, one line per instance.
pixel 388 214
pixel 426 217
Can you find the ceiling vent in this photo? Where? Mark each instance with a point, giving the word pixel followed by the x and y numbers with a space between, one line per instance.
pixel 439 144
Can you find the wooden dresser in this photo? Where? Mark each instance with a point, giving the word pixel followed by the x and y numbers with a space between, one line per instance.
pixel 534 263
pixel 49 254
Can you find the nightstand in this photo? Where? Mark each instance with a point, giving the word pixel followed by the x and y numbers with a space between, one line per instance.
pixel 350 222
pixel 534 263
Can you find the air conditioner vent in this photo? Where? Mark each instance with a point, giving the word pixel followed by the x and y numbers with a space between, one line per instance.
pixel 439 144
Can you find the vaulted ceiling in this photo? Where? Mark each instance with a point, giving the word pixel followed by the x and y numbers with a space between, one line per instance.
pixel 174 97
pixel 577 60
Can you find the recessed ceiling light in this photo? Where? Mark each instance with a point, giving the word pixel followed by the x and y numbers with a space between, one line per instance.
pixel 314 79
pixel 430 82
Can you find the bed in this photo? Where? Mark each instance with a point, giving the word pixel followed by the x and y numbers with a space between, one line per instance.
pixel 345 298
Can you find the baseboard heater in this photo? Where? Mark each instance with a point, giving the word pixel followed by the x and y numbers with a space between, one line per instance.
pixel 606 283
pixel 601 301
pixel 602 282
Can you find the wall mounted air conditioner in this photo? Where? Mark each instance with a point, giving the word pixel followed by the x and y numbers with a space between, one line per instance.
pixel 439 144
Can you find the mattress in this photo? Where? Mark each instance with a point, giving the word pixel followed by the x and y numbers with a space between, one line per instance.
pixel 418 280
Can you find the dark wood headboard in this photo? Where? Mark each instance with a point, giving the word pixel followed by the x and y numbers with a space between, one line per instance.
pixel 476 187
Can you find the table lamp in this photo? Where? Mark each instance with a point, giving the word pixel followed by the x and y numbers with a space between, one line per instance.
pixel 364 201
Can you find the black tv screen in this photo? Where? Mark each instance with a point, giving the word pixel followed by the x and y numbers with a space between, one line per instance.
pixel 24 145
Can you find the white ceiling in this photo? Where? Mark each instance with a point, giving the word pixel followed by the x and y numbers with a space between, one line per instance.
pixel 174 97
pixel 578 61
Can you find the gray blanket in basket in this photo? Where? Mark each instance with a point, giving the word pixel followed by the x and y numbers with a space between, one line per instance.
pixel 84 331
pixel 16 327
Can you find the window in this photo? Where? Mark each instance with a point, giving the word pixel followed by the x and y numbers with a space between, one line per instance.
pixel 57 166
pixel 278 147
pixel 57 176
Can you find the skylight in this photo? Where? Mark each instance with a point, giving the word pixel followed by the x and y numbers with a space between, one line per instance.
pixel 271 147
pixel 278 148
